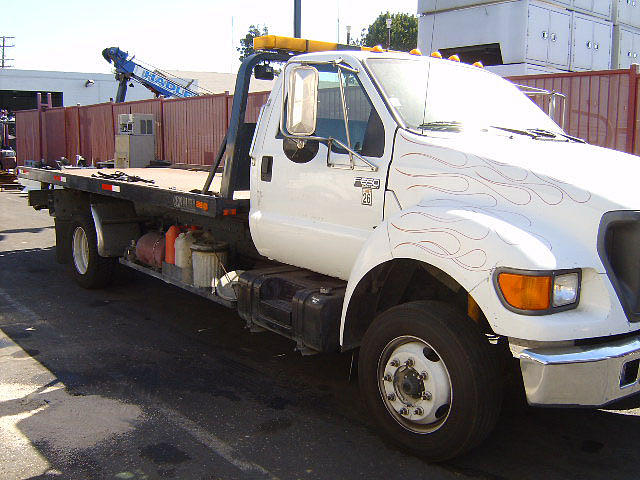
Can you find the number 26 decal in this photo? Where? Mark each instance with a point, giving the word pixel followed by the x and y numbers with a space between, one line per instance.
pixel 366 196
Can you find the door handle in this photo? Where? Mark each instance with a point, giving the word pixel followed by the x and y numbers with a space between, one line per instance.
pixel 266 168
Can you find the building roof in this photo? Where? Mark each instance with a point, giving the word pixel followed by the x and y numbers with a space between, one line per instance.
pixel 216 82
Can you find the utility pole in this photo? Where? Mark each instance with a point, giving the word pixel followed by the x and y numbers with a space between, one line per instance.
pixel 297 18
pixel 7 42
pixel 389 20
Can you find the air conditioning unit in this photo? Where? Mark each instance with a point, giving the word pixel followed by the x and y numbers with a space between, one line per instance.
pixel 135 140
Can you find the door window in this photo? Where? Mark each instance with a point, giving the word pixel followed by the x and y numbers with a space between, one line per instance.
pixel 366 130
pixel 365 127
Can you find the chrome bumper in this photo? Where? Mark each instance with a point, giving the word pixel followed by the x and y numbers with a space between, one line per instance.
pixel 581 376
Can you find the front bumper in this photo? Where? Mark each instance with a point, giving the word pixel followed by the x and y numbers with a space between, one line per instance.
pixel 581 375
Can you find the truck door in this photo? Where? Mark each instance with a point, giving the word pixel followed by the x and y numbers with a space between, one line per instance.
pixel 312 207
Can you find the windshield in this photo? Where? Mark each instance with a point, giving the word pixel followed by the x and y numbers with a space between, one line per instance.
pixel 431 95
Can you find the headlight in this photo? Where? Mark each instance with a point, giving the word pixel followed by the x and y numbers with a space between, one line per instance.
pixel 565 289
pixel 538 292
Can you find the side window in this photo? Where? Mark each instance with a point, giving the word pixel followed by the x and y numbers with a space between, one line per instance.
pixel 365 126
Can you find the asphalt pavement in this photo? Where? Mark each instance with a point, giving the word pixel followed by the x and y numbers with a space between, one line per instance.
pixel 142 381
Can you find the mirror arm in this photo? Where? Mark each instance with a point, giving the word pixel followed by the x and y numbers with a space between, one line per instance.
pixel 343 100
pixel 370 164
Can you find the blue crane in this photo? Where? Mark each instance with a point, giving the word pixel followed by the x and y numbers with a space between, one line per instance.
pixel 159 82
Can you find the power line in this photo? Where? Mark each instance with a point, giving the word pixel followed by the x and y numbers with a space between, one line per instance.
pixel 7 42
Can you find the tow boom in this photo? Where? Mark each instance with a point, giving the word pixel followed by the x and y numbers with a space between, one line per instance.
pixel 158 82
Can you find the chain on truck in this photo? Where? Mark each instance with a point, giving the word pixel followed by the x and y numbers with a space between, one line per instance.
pixel 420 210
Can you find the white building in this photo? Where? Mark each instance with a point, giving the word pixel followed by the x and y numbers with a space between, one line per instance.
pixel 18 88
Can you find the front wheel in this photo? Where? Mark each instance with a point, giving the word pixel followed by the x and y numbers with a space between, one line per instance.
pixel 430 379
pixel 89 269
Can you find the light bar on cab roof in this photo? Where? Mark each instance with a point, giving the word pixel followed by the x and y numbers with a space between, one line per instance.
pixel 302 45
pixel 289 44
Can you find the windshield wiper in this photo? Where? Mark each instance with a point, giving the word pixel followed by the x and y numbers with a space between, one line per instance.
pixel 516 131
pixel 540 134
pixel 443 126
pixel 544 132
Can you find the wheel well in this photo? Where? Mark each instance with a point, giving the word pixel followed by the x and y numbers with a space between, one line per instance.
pixel 398 281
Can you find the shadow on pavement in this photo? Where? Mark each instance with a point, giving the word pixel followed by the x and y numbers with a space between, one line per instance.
pixel 144 339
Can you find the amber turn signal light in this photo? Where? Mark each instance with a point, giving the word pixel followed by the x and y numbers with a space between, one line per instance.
pixel 526 292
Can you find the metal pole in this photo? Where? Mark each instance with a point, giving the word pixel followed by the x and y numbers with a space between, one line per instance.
pixel 388 22
pixel 297 18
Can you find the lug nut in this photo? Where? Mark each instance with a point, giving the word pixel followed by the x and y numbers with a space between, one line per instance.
pixel 395 363
pixel 391 397
pixel 424 376
pixel 404 411
pixel 410 363
pixel 388 377
pixel 427 396
pixel 418 411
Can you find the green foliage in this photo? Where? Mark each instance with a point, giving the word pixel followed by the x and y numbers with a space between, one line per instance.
pixel 246 43
pixel 404 32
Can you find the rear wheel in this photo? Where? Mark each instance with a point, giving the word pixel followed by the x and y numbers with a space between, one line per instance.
pixel 430 379
pixel 89 269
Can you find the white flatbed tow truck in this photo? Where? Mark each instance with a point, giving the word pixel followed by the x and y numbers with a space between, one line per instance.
pixel 420 210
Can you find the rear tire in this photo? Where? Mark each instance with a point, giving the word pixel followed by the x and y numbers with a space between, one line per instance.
pixel 430 379
pixel 89 269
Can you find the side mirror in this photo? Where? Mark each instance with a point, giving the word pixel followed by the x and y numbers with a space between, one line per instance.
pixel 302 103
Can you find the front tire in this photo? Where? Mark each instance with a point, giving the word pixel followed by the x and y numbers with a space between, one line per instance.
pixel 430 379
pixel 89 269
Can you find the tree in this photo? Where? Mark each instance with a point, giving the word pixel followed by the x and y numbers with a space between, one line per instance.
pixel 246 43
pixel 404 32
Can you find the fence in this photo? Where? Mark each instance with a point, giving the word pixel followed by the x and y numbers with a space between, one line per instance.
pixel 602 107
pixel 188 130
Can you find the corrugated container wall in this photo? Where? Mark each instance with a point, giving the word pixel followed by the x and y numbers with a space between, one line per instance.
pixel 188 130
pixel 601 106
pixel 28 135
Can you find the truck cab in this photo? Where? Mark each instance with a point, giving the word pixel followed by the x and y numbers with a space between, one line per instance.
pixel 439 190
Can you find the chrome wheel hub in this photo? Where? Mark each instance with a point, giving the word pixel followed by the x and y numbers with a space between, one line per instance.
pixel 414 384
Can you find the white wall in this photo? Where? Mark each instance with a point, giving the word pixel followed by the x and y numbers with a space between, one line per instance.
pixel 71 84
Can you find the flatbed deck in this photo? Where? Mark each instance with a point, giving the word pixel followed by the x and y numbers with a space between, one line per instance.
pixel 170 187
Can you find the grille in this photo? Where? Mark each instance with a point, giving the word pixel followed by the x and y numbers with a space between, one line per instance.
pixel 619 250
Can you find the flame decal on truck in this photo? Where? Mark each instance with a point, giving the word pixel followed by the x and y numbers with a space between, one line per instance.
pixel 468 215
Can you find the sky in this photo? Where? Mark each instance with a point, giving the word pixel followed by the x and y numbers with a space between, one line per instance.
pixel 196 35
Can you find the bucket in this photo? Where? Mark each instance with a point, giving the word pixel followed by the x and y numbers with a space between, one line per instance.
pixel 207 262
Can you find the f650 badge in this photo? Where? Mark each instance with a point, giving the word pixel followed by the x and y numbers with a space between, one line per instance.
pixel 365 182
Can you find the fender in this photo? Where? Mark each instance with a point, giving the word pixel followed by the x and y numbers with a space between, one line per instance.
pixel 468 242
